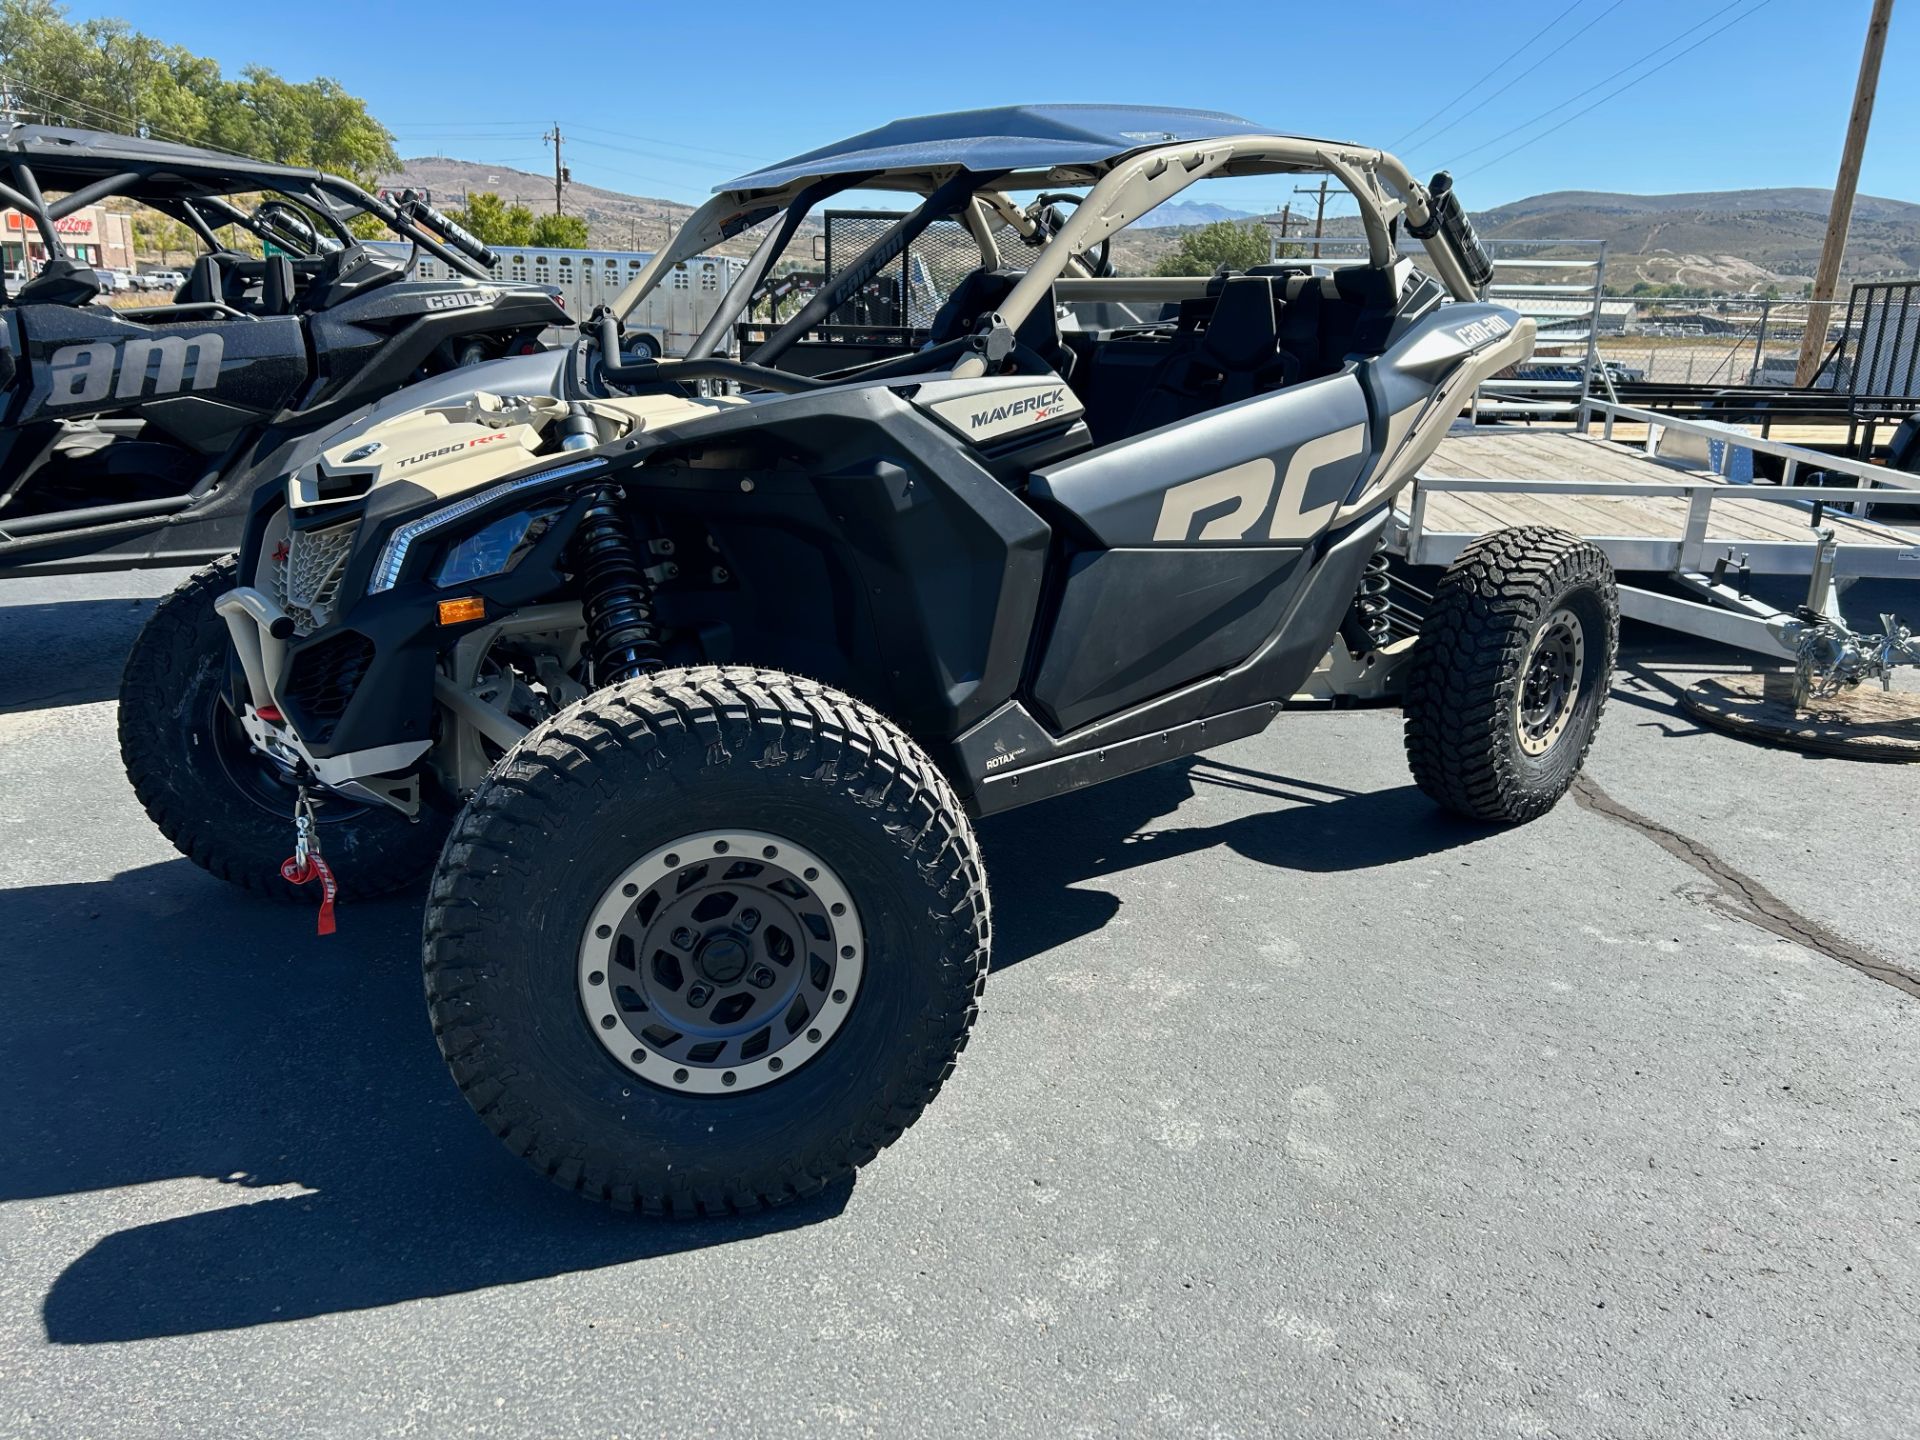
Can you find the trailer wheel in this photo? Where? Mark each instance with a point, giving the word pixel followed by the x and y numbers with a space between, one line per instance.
pixel 706 941
pixel 1510 673
pixel 225 806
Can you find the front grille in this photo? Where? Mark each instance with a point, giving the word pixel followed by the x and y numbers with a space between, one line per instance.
pixel 322 680
pixel 307 569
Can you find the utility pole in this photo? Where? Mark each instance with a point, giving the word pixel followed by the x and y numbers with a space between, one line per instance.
pixel 1286 219
pixel 560 174
pixel 1319 193
pixel 1826 279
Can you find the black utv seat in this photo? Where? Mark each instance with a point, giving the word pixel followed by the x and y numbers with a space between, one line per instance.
pixel 984 291
pixel 204 284
pixel 1235 355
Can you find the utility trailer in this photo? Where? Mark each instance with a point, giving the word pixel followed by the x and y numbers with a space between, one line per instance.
pixel 667 323
pixel 1686 540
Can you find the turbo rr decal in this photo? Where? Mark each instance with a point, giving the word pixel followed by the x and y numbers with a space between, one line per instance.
pixel 1294 508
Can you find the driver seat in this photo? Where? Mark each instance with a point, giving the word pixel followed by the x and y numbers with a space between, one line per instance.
pixel 984 291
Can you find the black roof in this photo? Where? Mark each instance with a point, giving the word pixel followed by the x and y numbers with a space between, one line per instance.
pixel 1008 137
pixel 66 160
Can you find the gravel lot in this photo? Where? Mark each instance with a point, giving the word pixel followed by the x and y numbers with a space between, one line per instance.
pixel 1294 1109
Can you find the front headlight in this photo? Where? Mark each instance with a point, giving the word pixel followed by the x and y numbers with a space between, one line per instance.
pixel 393 555
pixel 496 548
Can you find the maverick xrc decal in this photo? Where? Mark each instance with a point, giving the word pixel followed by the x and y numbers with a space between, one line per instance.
pixel 86 374
pixel 983 412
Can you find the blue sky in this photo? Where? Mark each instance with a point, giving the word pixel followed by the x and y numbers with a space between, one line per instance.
pixel 692 94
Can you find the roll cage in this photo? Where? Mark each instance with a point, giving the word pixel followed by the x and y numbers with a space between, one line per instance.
pixel 194 186
pixel 1125 185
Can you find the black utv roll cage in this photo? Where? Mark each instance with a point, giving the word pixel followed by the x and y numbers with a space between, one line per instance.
pixel 193 186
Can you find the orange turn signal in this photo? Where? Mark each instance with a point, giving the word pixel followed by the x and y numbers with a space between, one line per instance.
pixel 458 612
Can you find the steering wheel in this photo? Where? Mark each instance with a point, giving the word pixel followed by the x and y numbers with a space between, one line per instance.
pixel 1046 215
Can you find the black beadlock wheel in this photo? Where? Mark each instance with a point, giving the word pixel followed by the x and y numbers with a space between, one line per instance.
pixel 223 804
pixel 706 941
pixel 1510 673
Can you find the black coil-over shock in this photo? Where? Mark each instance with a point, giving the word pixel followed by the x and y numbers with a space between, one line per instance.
pixel 1367 626
pixel 615 593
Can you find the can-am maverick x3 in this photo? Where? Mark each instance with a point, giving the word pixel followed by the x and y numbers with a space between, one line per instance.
pixel 130 436
pixel 707 934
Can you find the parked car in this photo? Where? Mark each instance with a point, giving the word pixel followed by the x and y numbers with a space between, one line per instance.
pixel 706 934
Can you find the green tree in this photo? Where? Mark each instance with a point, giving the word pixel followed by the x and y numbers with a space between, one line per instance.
pixel 492 221
pixel 1225 243
pixel 105 75
pixel 560 232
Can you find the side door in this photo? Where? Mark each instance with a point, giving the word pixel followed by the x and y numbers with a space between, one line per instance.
pixel 200 381
pixel 1187 547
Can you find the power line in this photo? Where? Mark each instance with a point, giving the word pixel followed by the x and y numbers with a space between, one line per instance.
pixel 1605 80
pixel 1620 90
pixel 1496 94
pixel 133 121
pixel 675 144
pixel 1575 5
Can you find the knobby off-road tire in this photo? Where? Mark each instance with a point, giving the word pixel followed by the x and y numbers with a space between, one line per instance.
pixel 1510 673
pixel 605 817
pixel 226 808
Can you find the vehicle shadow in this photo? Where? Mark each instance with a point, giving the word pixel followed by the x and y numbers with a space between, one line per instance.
pixel 1037 900
pixel 66 652
pixel 161 1026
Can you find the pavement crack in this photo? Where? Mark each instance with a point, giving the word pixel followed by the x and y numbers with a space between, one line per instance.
pixel 1745 897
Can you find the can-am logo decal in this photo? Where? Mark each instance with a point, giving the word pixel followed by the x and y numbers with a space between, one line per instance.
pixel 1481 331
pixel 449 449
pixel 83 374
pixel 459 300
pixel 1039 406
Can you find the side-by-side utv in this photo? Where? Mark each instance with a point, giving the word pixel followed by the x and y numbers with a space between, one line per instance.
pixel 686 679
pixel 133 435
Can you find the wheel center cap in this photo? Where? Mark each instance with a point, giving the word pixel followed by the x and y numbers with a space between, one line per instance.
pixel 722 958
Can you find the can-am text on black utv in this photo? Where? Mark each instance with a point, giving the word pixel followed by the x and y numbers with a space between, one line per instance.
pixel 133 436
pixel 713 683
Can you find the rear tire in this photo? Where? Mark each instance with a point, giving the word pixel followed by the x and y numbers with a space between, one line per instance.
pixel 1510 673
pixel 561 978
pixel 226 808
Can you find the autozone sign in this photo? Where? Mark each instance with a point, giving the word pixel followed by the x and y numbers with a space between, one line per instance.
pixel 68 225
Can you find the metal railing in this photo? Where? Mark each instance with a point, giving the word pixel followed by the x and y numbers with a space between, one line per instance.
pixel 1691 549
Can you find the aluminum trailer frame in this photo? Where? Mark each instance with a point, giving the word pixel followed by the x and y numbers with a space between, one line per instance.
pixel 1693 560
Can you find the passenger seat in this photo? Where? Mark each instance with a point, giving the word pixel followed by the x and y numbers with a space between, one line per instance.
pixel 1238 355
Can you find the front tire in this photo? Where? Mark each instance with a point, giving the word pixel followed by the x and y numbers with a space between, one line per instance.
pixel 706 941
pixel 223 805
pixel 1510 673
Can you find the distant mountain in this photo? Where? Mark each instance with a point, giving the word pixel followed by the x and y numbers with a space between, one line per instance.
pixel 1183 212
pixel 1726 239
pixel 615 221
pixel 1713 240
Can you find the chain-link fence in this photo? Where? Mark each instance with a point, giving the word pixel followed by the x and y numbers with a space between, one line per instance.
pixel 1704 340
pixel 908 291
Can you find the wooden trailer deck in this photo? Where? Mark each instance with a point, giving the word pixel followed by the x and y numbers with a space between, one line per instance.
pixel 1651 514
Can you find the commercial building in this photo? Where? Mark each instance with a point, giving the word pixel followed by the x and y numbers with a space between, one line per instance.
pixel 93 235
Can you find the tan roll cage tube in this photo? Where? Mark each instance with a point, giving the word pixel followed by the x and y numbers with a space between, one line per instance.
pixel 1135 185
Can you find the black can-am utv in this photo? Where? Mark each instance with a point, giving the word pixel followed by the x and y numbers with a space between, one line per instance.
pixel 712 661
pixel 131 435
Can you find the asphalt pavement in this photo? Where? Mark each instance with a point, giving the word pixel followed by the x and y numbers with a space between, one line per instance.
pixel 1294 1108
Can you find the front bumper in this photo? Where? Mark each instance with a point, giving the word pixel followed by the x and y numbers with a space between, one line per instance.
pixel 278 697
